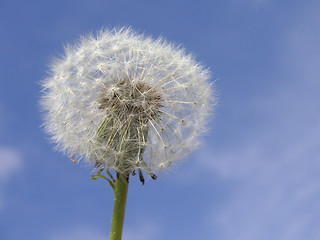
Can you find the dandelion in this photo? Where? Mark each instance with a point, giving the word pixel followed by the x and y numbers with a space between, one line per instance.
pixel 126 102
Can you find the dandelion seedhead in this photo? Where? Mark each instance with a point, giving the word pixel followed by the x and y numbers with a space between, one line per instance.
pixel 126 102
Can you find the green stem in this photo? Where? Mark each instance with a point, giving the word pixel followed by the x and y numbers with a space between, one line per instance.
pixel 120 200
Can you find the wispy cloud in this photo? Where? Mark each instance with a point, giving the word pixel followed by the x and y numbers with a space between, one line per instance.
pixel 144 231
pixel 275 170
pixel 276 182
pixel 10 164
pixel 275 197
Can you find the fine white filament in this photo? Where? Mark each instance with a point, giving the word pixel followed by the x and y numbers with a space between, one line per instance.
pixel 125 101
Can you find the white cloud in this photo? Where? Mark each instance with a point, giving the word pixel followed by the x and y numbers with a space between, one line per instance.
pixel 276 180
pixel 276 196
pixel 10 164
pixel 144 231
pixel 275 170
pixel 275 177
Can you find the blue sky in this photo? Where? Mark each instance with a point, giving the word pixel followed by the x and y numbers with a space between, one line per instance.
pixel 256 177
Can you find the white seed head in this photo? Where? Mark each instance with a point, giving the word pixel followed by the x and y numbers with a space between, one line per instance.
pixel 125 101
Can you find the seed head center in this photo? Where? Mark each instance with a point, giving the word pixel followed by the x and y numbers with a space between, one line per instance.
pixel 131 99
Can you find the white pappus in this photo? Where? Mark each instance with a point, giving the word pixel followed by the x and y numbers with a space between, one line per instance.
pixel 126 102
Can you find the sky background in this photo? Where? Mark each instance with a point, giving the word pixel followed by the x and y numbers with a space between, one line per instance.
pixel 257 176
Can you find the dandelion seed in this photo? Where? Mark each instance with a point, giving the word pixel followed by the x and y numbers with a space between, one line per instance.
pixel 126 102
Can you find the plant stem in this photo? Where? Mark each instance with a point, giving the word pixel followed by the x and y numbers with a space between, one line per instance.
pixel 120 200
